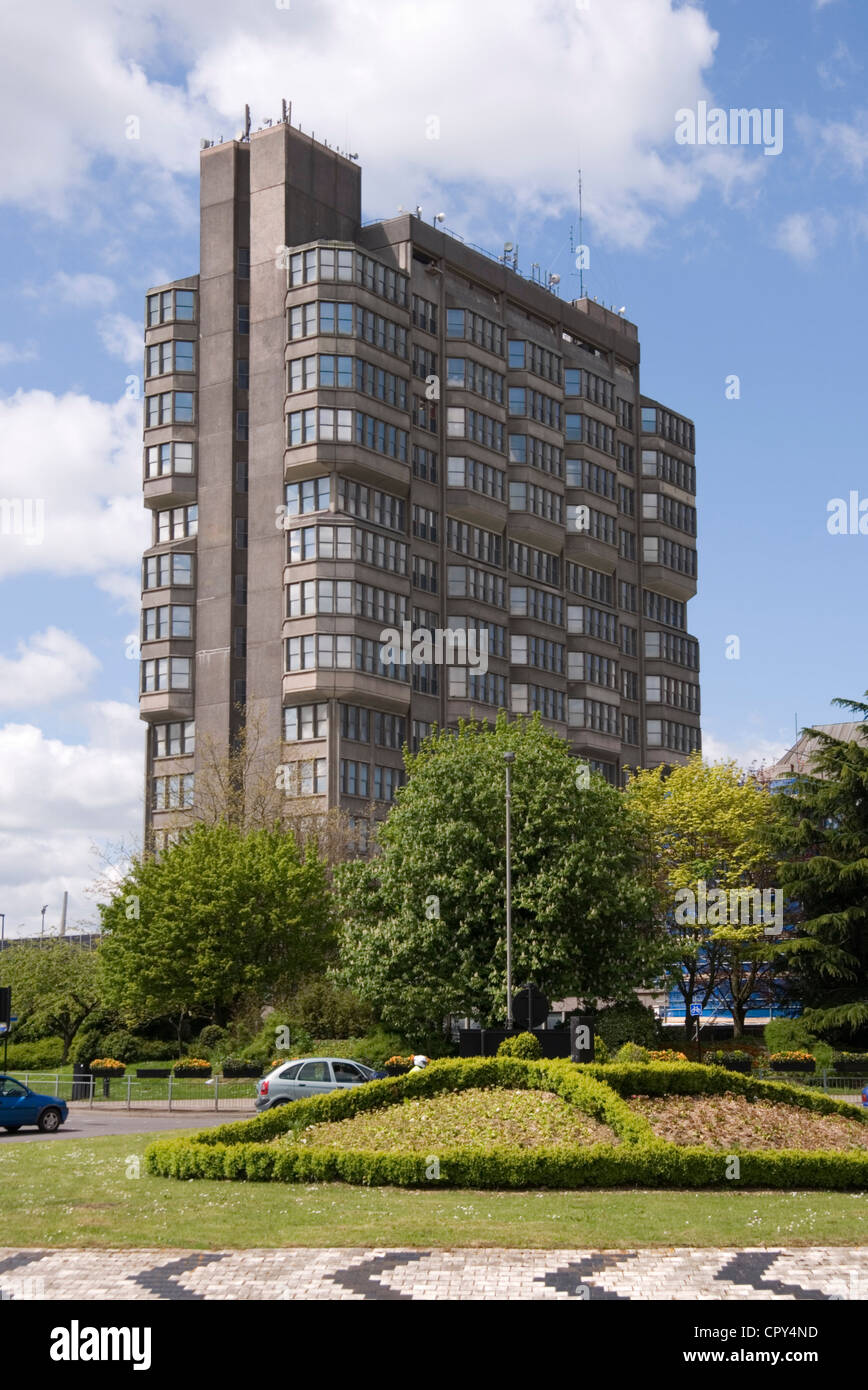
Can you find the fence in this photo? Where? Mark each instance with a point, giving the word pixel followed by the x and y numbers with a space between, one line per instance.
pixel 128 1093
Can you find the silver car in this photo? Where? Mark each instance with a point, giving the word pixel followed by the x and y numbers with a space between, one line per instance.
pixel 312 1076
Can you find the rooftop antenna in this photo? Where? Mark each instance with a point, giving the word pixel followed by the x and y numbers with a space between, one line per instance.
pixel 246 135
pixel 286 112
pixel 581 243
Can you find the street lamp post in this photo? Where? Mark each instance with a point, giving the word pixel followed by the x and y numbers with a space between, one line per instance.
pixel 42 939
pixel 509 759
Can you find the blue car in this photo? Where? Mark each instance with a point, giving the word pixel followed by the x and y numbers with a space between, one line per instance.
pixel 21 1106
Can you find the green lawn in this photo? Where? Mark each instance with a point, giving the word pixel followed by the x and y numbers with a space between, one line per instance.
pixel 70 1193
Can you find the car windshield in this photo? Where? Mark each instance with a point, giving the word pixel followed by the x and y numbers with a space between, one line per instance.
pixel 12 1088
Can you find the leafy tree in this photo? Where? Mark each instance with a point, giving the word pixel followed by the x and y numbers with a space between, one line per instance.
pixel 423 925
pixel 825 868
pixel 712 825
pixel 55 987
pixel 220 915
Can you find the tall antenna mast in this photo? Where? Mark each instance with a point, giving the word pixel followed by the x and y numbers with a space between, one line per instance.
pixel 581 244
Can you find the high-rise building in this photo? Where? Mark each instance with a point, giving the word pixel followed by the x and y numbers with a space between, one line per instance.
pixel 352 427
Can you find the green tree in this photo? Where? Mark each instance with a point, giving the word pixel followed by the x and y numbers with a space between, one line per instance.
pixel 423 925
pixel 221 915
pixel 825 869
pixel 711 825
pixel 55 987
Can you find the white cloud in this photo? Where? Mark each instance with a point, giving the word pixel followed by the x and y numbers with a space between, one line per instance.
pixel 121 337
pixel 596 87
pixel 800 234
pixel 838 143
pixel 49 666
pixel 748 751
pixel 94 291
pixel 75 463
pixel 59 800
pixel 11 352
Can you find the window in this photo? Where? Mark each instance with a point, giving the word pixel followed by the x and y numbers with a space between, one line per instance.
pixel 240 643
pixel 173 356
pixel 630 685
pixel 243 262
pixel 177 523
pixel 473 425
pixel 526 699
pixel 598 715
pixel 424 524
pixel 241 533
pixel 243 319
pixel 474 541
pixel 169 305
pixel 629 645
pixel 535 564
pixel 242 374
pixel 355 724
pixel 242 428
pixel 468 582
pixel 305 778
pixel 626 500
pixel 462 323
pixel 463 373
pixel 536 651
pixel 667 646
pixel 169 407
pixel 161 460
pixel 527 497
pixel 536 603
pixel 661 609
pixel 158 624
pixel 679 738
pixel 162 571
pixel 593 669
pixel 626 458
pixel 241 589
pixel 173 793
pixel 305 722
pixel 312 495
pixel 591 584
pixel 390 731
pixel 355 777
pixel 242 475
pixel 534 404
pixel 537 453
pixel 424 314
pixel 572 381
pixel 323 651
pixel 592 622
pixel 347 543
pixel 424 464
pixel 478 477
pixel 425 574
pixel 627 544
pixel 625 414
pixel 174 740
pixel 669 470
pixel 387 780
pixel 346 1072
pixel 165 673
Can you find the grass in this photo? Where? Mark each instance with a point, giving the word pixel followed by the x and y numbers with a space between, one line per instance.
pixel 523 1118
pixel 84 1194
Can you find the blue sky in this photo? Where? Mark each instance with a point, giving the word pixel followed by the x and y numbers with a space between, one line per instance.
pixel 730 262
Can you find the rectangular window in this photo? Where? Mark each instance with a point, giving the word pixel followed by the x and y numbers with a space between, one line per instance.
pixel 243 319
pixel 304 722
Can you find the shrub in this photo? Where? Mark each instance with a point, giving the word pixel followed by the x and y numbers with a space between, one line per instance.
pixel 122 1045
pixel 33 1056
pixel 523 1045
pixel 154 1050
pixel 630 1052
pixel 786 1034
pixel 108 1064
pixel 601 1051
pixel 326 1011
pixel 666 1055
pixel 733 1058
pixel 193 1064
pixel 630 1022
pixel 791 1057
pixel 243 1151
pixel 374 1050
pixel 211 1038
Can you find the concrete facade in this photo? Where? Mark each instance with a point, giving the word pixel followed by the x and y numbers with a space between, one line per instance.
pixel 450 420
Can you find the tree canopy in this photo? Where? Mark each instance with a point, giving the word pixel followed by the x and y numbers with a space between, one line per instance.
pixel 219 915
pixel 55 987
pixel 825 868
pixel 423 925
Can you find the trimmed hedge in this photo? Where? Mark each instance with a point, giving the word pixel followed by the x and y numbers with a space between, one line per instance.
pixel 245 1151
pixel 33 1056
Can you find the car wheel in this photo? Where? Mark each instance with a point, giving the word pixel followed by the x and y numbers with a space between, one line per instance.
pixel 283 1101
pixel 12 1129
pixel 49 1120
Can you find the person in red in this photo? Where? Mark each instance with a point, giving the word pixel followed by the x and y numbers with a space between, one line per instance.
pixel 865 1096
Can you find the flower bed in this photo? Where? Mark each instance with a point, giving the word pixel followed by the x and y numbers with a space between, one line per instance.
pixel 107 1067
pixel 192 1069
pixel 246 1151
pixel 792 1061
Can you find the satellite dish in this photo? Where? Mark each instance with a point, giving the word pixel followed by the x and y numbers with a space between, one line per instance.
pixel 508 246
pixel 203 144
pixel 441 217
pixel 554 279
pixel 623 309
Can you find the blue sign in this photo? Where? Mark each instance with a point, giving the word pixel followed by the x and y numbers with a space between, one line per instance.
pixel 4 1027
pixel 695 1010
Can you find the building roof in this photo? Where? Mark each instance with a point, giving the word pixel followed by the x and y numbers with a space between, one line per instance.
pixel 798 760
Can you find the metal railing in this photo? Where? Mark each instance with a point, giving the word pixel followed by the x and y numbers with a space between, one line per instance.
pixel 152 1093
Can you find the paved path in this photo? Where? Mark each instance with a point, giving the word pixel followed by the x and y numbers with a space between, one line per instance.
pixel 813 1274
pixel 92 1124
